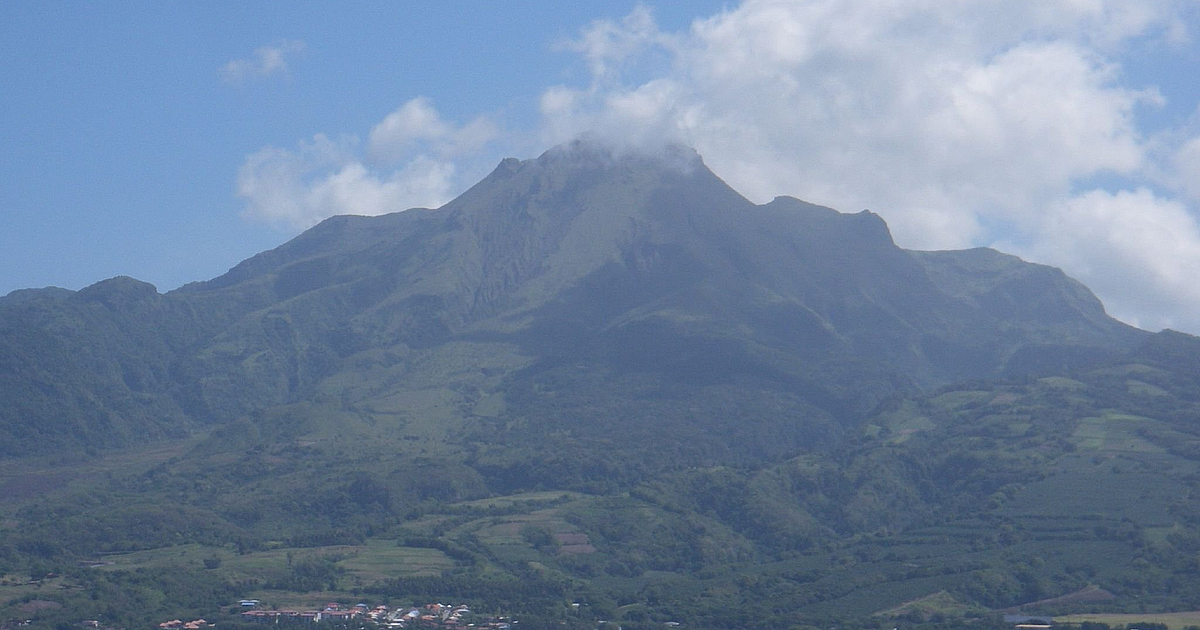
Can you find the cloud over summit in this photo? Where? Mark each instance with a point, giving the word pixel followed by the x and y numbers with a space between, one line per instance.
pixel 963 123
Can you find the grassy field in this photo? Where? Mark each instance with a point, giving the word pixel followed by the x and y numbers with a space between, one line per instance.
pixel 508 501
pixel 15 587
pixel 940 602
pixel 382 559
pixel 1174 621
pixel 375 560
pixel 287 600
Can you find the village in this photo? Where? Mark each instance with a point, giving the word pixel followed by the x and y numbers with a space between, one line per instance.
pixel 433 615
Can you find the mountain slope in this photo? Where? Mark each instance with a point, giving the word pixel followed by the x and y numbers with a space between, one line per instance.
pixel 582 264
pixel 604 378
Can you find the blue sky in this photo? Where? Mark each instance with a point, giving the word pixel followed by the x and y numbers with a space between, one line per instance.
pixel 168 141
pixel 122 136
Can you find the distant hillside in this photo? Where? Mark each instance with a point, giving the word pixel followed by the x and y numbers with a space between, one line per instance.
pixel 607 380
pixel 625 275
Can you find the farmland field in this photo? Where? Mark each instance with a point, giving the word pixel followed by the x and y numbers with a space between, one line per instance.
pixel 1174 621
pixel 374 560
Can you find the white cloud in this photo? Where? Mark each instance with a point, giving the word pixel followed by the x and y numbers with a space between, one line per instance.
pixel 1185 165
pixel 962 122
pixel 321 178
pixel 413 158
pixel 266 61
pixel 884 105
pixel 606 44
pixel 1140 250
pixel 417 125
pixel 412 121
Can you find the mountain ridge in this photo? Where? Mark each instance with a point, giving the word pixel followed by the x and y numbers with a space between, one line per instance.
pixel 605 379
pixel 588 252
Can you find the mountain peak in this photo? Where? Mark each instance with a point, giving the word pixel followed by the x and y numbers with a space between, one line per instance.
pixel 597 153
pixel 588 172
pixel 589 157
pixel 118 292
pixel 638 264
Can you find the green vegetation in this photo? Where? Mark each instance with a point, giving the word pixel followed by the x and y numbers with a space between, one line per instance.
pixel 997 497
pixel 1173 621
pixel 607 383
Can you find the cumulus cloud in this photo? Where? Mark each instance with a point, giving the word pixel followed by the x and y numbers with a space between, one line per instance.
pixel 607 44
pixel 962 122
pixel 1140 250
pixel 416 124
pixel 884 105
pixel 297 188
pixel 1185 168
pixel 412 158
pixel 266 61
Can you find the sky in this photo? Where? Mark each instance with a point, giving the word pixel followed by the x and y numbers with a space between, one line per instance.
pixel 168 141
